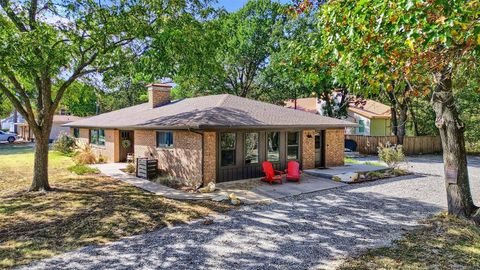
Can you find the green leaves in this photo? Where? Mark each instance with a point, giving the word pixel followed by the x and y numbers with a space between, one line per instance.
pixel 372 39
pixel 226 53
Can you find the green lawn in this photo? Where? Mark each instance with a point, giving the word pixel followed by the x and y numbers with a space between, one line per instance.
pixel 84 210
pixel 443 243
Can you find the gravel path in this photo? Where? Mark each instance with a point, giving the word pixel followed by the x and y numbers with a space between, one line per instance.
pixel 308 231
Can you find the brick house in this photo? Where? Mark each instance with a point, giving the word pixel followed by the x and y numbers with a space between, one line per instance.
pixel 213 138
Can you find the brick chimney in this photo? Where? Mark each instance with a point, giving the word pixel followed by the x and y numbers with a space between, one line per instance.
pixel 158 94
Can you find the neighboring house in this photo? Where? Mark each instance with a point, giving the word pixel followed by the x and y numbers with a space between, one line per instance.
pixel 58 127
pixel 213 138
pixel 373 118
pixel 9 122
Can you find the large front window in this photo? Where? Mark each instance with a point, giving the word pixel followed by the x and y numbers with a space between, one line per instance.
pixel 97 136
pixel 164 139
pixel 292 145
pixel 273 146
pixel 227 148
pixel 251 148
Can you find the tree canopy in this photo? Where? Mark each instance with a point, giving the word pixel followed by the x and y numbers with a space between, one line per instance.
pixel 224 53
pixel 46 46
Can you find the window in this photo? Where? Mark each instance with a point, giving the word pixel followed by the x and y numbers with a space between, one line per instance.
pixel 273 146
pixel 101 137
pixel 76 133
pixel 97 136
pixel 93 136
pixel 361 128
pixel 164 139
pixel 292 145
pixel 251 148
pixel 227 149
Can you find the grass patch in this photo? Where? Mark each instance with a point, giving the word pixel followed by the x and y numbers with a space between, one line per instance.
pixel 444 242
pixel 81 169
pixel 348 160
pixel 83 210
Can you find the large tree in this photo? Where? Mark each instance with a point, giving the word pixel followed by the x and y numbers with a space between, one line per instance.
pixel 291 72
pixel 424 42
pixel 45 46
pixel 223 52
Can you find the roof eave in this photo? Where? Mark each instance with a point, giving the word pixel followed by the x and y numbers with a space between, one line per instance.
pixel 322 126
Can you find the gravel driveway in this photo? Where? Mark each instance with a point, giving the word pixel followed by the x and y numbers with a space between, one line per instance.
pixel 308 231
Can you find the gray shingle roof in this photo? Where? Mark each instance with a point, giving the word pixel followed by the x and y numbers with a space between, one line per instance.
pixel 210 112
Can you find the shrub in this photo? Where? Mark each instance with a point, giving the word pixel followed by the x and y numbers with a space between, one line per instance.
pixel 102 159
pixel 64 144
pixel 376 174
pixel 391 154
pixel 130 168
pixel 81 169
pixel 85 156
pixel 399 172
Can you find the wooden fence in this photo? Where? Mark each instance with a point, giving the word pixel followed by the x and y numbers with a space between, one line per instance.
pixel 411 145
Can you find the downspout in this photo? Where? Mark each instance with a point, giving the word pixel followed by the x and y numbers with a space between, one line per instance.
pixel 203 152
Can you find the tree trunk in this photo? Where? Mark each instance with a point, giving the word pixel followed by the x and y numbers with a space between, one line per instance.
pixel 393 112
pixel 414 120
pixel 15 120
pixel 40 165
pixel 451 129
pixel 402 121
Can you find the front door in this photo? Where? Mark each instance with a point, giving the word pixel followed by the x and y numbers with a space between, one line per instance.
pixel 126 144
pixel 320 149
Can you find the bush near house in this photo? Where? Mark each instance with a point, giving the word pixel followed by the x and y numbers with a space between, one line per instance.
pixel 65 144
pixel 81 169
pixel 85 156
pixel 392 155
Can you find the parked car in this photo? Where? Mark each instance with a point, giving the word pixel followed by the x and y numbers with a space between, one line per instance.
pixel 7 136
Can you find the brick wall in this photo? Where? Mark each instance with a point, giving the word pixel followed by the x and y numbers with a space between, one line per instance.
pixel 308 149
pixel 209 157
pixel 183 161
pixel 84 136
pixel 111 149
pixel 334 148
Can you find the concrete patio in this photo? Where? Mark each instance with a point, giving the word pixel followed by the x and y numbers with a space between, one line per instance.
pixel 254 190
pixel 249 191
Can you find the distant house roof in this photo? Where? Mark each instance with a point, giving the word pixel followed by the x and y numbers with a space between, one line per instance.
pixel 368 108
pixel 57 119
pixel 304 104
pixel 371 109
pixel 209 112
pixel 63 119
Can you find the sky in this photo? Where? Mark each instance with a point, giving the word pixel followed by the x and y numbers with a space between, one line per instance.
pixel 233 5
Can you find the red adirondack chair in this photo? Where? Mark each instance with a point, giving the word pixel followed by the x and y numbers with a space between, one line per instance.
pixel 293 171
pixel 271 175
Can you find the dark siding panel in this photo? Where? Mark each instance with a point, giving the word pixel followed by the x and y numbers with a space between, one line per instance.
pixel 242 171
